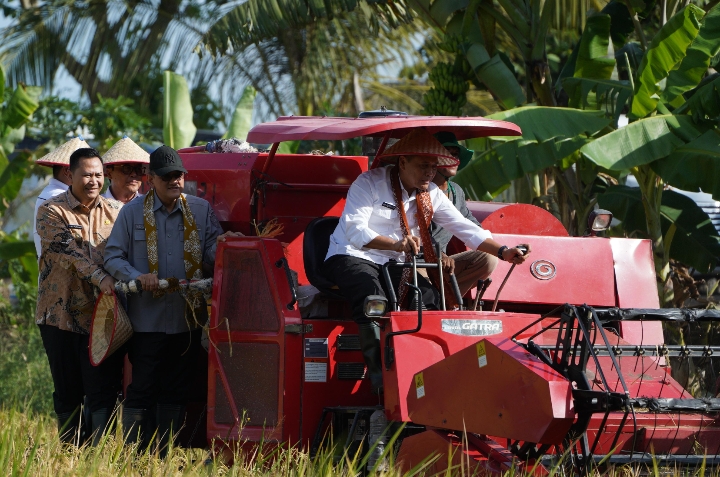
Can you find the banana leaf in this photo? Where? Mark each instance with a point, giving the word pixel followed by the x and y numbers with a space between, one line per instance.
pixel 288 147
pixel 693 166
pixel 178 127
pixel 667 50
pixel 13 250
pixel 242 117
pixel 10 137
pixel 2 83
pixel 694 65
pixel 592 61
pixel 621 24
pixel 540 123
pixel 492 171
pixel 641 142
pixel 12 177
pixel 608 95
pixel 695 243
pixel 704 102
pixel 497 78
pixel 21 106
pixel 441 10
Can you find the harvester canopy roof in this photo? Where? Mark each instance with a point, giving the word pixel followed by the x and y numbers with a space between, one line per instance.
pixel 303 128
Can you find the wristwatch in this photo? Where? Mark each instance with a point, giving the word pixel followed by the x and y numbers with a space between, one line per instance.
pixel 500 252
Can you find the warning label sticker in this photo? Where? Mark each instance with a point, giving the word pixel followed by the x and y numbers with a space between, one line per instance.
pixel 315 372
pixel 481 354
pixel 420 385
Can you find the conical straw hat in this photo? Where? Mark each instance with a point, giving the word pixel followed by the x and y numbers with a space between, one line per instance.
pixel 61 155
pixel 125 150
pixel 419 143
pixel 109 330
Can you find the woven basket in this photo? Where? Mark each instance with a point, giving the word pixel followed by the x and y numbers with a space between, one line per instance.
pixel 60 156
pixel 110 328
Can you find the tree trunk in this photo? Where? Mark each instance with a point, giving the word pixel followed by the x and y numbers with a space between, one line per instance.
pixel 651 187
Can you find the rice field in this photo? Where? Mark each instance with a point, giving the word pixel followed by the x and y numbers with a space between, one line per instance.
pixel 29 444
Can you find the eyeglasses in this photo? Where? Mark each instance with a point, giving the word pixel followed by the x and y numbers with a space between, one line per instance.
pixel 127 169
pixel 454 151
pixel 172 176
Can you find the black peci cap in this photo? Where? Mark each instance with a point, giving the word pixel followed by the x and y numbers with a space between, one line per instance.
pixel 165 160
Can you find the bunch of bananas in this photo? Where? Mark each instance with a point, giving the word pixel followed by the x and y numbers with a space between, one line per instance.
pixel 448 95
pixel 451 44
pixel 438 103
pixel 444 77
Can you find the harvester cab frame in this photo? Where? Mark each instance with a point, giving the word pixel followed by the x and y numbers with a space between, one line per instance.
pixel 573 364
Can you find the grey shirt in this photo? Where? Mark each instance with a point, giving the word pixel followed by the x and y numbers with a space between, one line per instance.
pixel 457 197
pixel 126 259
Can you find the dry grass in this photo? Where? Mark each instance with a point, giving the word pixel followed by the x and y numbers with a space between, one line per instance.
pixel 29 447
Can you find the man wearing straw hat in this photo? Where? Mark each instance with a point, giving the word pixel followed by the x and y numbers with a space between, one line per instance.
pixel 387 217
pixel 472 265
pixel 125 165
pixel 59 160
pixel 165 235
pixel 74 227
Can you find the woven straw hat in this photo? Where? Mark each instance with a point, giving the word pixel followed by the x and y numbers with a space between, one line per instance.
pixel 110 328
pixel 61 155
pixel 125 150
pixel 419 143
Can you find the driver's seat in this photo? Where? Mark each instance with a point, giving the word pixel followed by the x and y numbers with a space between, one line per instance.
pixel 315 248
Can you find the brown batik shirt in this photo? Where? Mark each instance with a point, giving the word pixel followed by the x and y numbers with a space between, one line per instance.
pixel 73 239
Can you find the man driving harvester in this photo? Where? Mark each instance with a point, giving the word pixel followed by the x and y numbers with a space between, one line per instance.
pixel 387 216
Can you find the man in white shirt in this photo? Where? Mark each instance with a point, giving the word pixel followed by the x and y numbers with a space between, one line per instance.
pixel 59 160
pixel 126 164
pixel 387 216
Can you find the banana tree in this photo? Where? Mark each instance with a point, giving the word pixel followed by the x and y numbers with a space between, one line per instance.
pixel 15 112
pixel 659 147
pixel 552 138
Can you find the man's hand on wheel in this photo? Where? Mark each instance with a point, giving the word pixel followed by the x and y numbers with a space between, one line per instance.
pixel 149 281
pixel 516 255
pixel 408 244
pixel 107 285
pixel 448 264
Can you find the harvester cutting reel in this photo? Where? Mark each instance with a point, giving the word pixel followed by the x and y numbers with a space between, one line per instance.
pixel 588 352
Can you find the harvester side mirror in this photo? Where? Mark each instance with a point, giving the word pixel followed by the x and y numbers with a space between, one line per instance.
pixel 375 306
pixel 598 221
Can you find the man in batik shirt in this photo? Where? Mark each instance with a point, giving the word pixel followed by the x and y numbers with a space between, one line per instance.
pixel 74 227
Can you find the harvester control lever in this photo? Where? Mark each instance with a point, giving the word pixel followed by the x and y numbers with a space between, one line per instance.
pixel 282 263
pixel 482 287
pixel 524 250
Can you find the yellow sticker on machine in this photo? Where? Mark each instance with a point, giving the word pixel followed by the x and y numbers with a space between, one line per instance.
pixel 481 354
pixel 420 385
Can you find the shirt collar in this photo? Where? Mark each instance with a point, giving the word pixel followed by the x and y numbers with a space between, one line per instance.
pixel 74 203
pixel 158 204
pixel 58 184
pixel 110 192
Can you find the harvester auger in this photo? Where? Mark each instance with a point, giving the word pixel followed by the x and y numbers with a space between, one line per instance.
pixel 573 365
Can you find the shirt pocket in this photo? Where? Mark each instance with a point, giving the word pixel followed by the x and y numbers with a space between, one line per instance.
pixel 386 220
pixel 139 242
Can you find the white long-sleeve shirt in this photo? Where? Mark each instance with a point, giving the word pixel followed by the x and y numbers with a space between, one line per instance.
pixel 370 211
pixel 53 188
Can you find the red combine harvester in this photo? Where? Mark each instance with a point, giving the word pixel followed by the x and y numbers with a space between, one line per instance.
pixel 573 363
